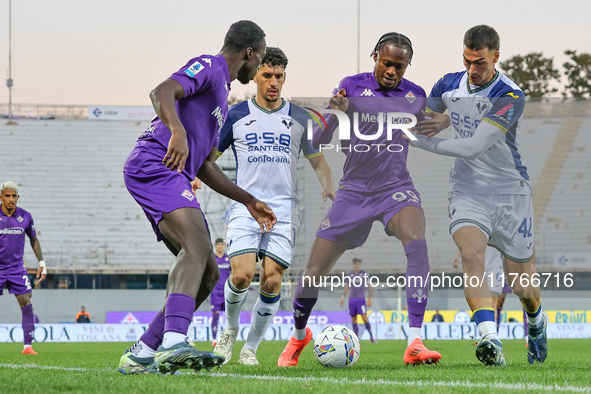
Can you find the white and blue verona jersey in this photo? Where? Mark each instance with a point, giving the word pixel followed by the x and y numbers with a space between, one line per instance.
pixel 266 147
pixel 500 169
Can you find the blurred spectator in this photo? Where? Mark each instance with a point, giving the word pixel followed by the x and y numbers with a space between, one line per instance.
pixel 437 316
pixel 82 316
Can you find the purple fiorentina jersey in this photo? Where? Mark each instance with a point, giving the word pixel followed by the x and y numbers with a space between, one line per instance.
pixel 12 237
pixel 377 168
pixel 358 286
pixel 202 111
pixel 224 266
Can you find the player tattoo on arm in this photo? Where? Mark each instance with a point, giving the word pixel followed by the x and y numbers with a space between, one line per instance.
pixel 42 270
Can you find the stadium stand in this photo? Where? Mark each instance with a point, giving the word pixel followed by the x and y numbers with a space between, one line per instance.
pixel 70 178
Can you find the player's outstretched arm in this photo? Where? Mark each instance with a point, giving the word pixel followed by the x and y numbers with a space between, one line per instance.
pixel 433 124
pixel 468 148
pixel 371 289
pixel 324 174
pixel 212 176
pixel 324 135
pixel 163 100
pixel 42 270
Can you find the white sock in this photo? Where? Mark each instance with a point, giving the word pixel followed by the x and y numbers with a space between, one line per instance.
pixel 26 346
pixel 234 299
pixel 488 329
pixel 262 316
pixel 536 322
pixel 172 338
pixel 140 349
pixel 299 334
pixel 413 333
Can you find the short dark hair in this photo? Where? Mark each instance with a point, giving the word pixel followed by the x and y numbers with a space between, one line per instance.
pixel 356 260
pixel 482 36
pixel 274 57
pixel 244 34
pixel 219 240
pixel 397 39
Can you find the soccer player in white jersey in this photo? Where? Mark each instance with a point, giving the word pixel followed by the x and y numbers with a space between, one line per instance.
pixel 266 134
pixel 490 194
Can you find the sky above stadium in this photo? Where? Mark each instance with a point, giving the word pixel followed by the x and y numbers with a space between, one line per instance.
pixel 113 52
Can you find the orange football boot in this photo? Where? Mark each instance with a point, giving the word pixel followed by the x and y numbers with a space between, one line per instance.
pixel 417 354
pixel 29 350
pixel 293 349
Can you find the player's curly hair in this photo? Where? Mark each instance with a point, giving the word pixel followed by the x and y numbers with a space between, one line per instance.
pixel 242 35
pixel 397 39
pixel 482 36
pixel 274 57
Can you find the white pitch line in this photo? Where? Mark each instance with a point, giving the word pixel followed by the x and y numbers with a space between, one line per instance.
pixel 52 367
pixel 411 383
pixel 345 381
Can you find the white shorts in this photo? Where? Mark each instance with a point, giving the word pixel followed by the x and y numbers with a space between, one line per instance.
pixel 244 236
pixel 505 219
pixel 493 270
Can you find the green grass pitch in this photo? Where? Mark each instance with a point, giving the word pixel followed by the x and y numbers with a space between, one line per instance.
pixel 92 367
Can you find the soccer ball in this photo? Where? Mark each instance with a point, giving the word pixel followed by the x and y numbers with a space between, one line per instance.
pixel 337 346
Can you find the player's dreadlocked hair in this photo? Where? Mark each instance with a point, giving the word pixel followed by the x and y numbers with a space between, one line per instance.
pixel 274 57
pixel 397 39
pixel 244 34
pixel 482 36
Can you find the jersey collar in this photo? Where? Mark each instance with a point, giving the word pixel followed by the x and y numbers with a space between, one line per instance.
pixel 266 110
pixel 481 88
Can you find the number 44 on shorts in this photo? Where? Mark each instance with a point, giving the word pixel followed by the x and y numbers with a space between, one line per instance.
pixel 524 229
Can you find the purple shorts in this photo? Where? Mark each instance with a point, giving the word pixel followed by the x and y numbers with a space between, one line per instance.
pixel 218 303
pixel 16 280
pixel 357 306
pixel 159 190
pixel 352 213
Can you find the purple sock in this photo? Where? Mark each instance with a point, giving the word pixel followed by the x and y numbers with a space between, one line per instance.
pixel 303 302
pixel 368 328
pixel 152 337
pixel 356 329
pixel 214 324
pixel 499 318
pixel 525 325
pixel 417 288
pixel 28 323
pixel 178 313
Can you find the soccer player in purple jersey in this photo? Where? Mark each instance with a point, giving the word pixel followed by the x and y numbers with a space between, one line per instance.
pixel 217 295
pixel 179 145
pixel 14 224
pixel 357 297
pixel 376 185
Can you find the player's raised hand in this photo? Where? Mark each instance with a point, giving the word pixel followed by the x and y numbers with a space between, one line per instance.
pixel 328 192
pixel 196 184
pixel 177 153
pixel 263 214
pixel 429 127
pixel 339 101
